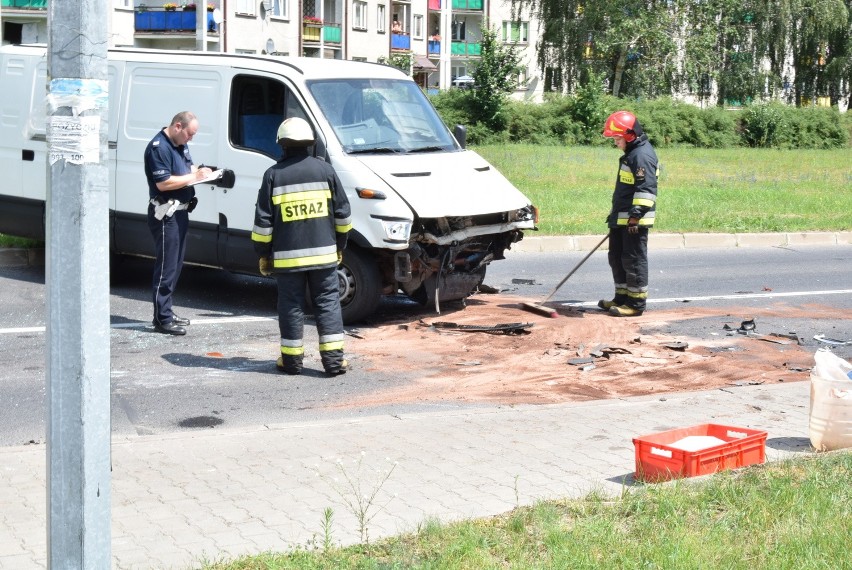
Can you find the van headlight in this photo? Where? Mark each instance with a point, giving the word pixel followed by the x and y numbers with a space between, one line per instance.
pixel 397 230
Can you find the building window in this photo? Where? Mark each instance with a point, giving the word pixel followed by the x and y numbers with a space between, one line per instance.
pixel 516 32
pixel 279 9
pixel 418 26
pixel 359 15
pixel 381 18
pixel 245 7
pixel 123 3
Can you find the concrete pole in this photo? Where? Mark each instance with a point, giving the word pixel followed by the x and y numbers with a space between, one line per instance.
pixel 78 377
pixel 201 26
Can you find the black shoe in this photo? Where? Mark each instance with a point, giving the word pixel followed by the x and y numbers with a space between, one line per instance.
pixel 180 321
pixel 169 328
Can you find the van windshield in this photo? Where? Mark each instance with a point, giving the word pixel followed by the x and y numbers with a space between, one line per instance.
pixel 381 116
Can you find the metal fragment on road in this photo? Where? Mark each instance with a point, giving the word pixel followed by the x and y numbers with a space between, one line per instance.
pixel 833 341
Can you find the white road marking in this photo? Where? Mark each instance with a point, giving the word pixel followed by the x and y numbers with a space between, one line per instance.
pixel 726 297
pixel 147 324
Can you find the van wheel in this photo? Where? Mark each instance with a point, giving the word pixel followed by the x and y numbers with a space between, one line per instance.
pixel 360 285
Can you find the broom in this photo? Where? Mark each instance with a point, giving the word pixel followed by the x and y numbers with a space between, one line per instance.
pixel 546 311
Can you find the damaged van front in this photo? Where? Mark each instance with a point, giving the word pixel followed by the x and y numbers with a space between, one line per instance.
pixel 429 215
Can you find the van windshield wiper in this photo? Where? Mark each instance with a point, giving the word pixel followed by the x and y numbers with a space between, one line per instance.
pixel 376 150
pixel 426 149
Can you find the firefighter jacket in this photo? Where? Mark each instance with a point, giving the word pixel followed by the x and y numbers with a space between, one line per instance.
pixel 635 194
pixel 302 215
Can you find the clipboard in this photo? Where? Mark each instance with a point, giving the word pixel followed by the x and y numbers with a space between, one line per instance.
pixel 215 175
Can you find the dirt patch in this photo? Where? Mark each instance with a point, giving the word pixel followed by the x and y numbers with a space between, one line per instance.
pixel 661 351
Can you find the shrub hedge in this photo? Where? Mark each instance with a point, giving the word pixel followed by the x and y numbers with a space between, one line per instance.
pixel 578 119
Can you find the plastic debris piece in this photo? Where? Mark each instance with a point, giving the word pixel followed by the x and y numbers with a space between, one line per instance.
pixel 677 345
pixel 581 361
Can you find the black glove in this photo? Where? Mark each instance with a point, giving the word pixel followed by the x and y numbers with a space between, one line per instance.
pixel 190 206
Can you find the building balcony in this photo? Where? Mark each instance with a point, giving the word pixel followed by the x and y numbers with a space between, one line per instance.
pixel 400 41
pixel 153 20
pixel 331 33
pixel 434 47
pixel 468 5
pixel 434 4
pixel 311 32
pixel 24 4
pixel 466 49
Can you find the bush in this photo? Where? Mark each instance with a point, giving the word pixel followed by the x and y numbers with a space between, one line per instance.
pixel 762 125
pixel 813 127
pixel 578 119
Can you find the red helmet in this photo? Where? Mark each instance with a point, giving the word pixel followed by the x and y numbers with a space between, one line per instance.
pixel 622 124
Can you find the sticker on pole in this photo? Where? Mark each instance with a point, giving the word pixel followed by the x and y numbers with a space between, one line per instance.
pixel 73 139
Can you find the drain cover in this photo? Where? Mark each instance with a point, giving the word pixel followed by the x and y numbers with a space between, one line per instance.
pixel 201 422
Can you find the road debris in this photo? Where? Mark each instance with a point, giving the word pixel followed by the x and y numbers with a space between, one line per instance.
pixel 677 345
pixel 833 341
pixel 501 328
pixel 518 281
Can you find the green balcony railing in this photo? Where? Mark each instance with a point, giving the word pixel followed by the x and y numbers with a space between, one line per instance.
pixel 27 4
pixel 466 48
pixel 467 4
pixel 331 33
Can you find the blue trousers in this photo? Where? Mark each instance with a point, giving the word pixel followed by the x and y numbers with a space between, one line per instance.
pixel 170 247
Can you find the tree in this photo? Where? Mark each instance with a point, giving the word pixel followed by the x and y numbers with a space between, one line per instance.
pixel 630 41
pixel 495 77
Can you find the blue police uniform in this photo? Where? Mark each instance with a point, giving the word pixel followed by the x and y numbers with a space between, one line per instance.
pixel 164 159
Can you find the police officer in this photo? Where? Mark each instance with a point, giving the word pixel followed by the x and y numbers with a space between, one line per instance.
pixel 169 170
pixel 301 224
pixel 632 215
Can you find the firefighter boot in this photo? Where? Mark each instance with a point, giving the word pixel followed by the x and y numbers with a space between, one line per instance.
pixel 624 311
pixel 333 362
pixel 619 299
pixel 291 365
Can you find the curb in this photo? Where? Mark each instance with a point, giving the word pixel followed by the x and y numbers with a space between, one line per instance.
pixel 22 257
pixel 687 241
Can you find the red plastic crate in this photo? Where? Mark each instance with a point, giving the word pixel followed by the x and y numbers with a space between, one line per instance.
pixel 657 461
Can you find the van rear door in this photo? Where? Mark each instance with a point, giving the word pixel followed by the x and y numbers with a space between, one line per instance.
pixel 153 94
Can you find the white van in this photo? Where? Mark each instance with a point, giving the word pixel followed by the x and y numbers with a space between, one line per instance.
pixel 428 215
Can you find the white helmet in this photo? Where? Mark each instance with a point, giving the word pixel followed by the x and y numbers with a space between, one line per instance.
pixel 295 132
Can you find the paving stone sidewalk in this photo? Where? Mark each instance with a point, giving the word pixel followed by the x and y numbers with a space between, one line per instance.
pixel 181 498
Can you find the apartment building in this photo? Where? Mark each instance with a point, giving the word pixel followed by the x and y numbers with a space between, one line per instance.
pixel 442 38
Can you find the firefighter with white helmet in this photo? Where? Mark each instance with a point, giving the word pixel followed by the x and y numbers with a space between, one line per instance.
pixel 301 224
pixel 632 215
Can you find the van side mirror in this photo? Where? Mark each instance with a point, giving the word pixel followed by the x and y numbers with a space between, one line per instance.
pixel 460 132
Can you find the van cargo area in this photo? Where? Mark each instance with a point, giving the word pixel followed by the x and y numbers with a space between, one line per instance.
pixel 428 214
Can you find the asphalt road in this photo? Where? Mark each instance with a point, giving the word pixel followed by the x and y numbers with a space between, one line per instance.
pixel 223 373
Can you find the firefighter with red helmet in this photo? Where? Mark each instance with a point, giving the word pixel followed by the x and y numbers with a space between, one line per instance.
pixel 632 215
pixel 301 224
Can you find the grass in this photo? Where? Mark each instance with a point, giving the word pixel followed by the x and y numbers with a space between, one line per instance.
pixel 794 514
pixel 700 190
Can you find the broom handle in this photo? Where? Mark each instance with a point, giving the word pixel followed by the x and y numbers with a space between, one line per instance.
pixel 576 267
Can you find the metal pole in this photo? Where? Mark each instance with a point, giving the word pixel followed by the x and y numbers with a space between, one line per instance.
pixel 78 380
